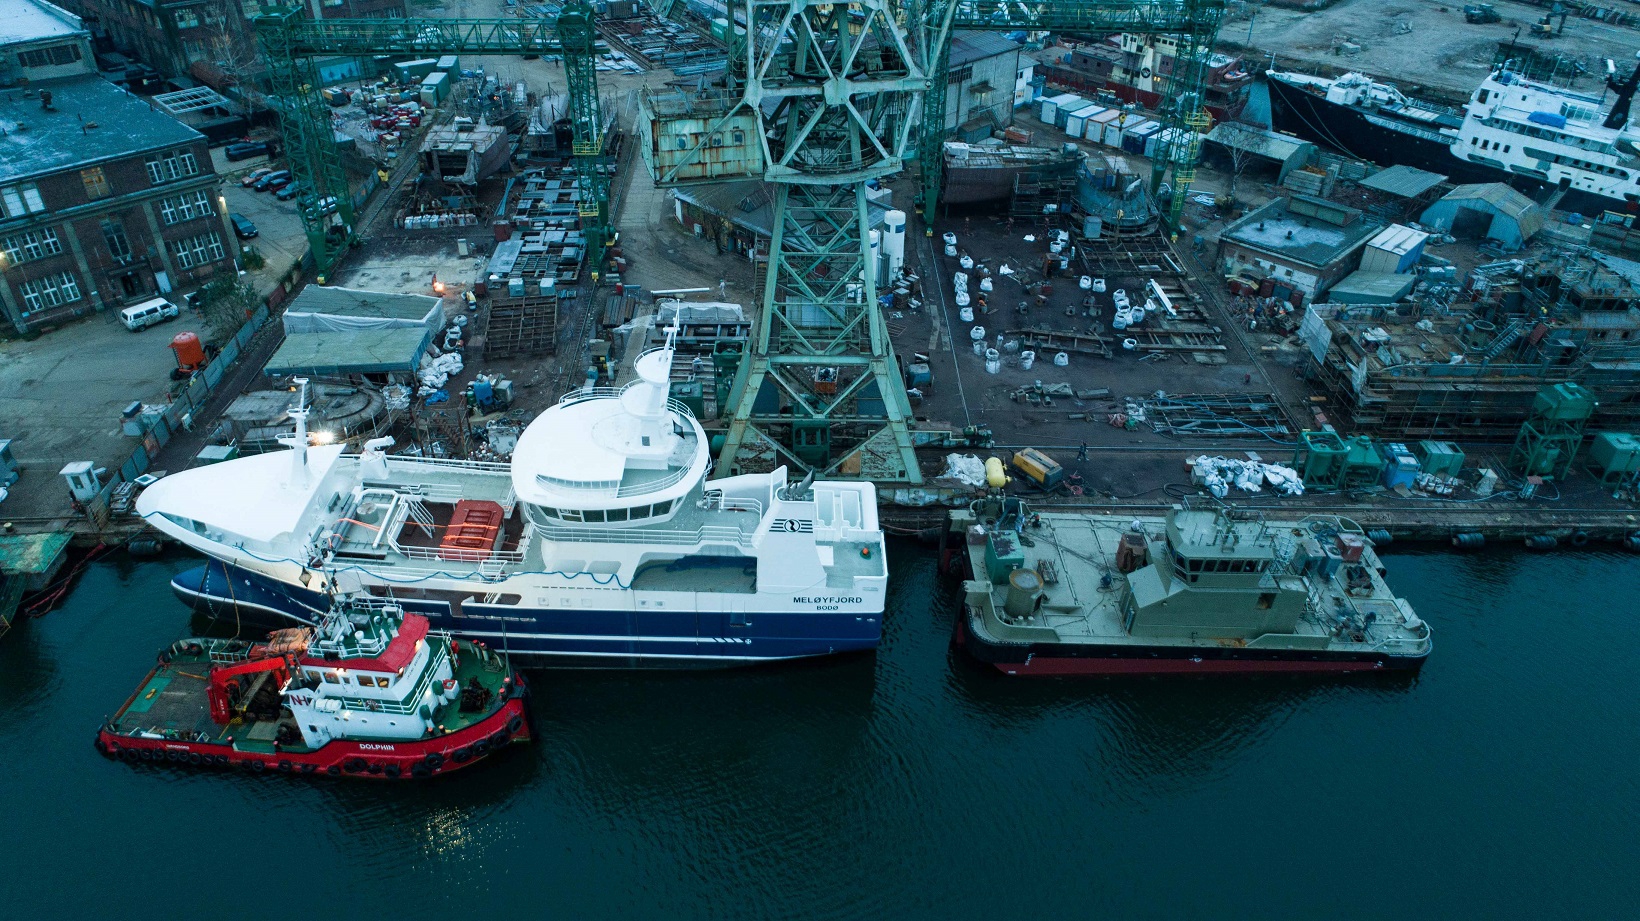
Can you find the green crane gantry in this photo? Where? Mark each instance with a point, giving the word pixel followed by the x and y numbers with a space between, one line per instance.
pixel 824 106
pixel 291 40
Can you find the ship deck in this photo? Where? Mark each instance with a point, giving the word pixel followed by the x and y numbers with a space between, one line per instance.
pixel 173 703
pixel 1082 591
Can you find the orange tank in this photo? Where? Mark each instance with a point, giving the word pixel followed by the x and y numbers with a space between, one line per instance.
pixel 190 352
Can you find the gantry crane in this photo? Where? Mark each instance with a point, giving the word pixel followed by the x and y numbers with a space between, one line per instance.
pixel 291 40
pixel 822 96
pixel 829 92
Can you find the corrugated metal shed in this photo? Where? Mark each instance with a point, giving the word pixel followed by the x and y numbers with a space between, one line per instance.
pixel 1371 288
pixel 1395 249
pixel 1514 217
pixel 1289 152
pixel 1403 181
pixel 969 47
pixel 366 351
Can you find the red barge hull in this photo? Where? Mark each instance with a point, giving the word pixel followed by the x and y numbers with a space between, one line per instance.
pixel 416 759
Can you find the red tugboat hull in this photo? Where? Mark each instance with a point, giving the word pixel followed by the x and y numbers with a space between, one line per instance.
pixel 397 760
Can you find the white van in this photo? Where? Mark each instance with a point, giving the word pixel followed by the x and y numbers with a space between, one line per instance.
pixel 148 313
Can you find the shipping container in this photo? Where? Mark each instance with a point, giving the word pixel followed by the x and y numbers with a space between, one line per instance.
pixel 1394 250
pixel 1115 128
pixel 413 71
pixel 1066 108
pixel 435 88
pixel 1133 139
pixel 1050 106
pixel 1094 128
pixel 1073 125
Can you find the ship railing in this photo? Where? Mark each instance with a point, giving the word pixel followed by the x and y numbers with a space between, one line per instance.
pixel 459 555
pixel 706 534
pixel 1393 644
pixel 583 394
pixel 612 489
pixel 221 656
pixel 489 467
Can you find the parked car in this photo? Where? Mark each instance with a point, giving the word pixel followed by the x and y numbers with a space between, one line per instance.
pixel 252 177
pixel 247 150
pixel 287 191
pixel 272 181
pixel 141 316
pixel 242 226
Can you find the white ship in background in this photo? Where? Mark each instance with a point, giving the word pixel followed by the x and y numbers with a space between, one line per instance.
pixel 603 543
pixel 1570 150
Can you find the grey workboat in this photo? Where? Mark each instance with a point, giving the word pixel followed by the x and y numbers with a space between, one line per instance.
pixel 1203 589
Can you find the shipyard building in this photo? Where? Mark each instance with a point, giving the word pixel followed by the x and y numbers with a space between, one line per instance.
pixel 105 200
pixel 1298 246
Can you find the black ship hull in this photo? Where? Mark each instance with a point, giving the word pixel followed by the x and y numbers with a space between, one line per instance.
pixel 1352 132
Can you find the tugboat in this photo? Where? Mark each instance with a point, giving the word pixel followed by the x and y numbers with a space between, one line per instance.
pixel 367 692
pixel 1201 590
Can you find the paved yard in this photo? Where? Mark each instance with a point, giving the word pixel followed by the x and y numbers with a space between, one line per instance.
pixel 64 394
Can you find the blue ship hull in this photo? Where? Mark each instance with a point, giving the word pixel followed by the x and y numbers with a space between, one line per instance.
pixel 552 638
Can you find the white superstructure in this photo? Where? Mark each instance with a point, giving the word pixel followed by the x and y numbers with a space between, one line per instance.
pixel 1550 134
pixel 602 540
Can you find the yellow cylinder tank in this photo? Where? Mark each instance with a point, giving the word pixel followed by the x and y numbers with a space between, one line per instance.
pixel 994 477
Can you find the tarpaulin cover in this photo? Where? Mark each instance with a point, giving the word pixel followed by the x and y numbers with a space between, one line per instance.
pixel 330 309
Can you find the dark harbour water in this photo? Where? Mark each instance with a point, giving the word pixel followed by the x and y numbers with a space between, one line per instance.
pixel 1502 783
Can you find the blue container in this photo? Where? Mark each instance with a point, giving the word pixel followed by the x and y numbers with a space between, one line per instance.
pixel 1400 467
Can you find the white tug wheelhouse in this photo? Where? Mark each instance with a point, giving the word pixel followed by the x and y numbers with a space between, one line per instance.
pixel 373 674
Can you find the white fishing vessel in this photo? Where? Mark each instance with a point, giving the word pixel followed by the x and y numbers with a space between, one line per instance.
pixel 605 542
pixel 1572 150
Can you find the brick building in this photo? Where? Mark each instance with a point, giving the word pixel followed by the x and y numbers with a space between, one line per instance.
pixel 103 200
pixel 214 40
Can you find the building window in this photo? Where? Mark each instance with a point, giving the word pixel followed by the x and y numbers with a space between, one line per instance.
pixel 192 251
pixel 187 19
pixel 30 245
pixel 174 165
pixel 114 233
pixel 22 199
pixel 960 74
pixel 49 57
pixel 49 291
pixel 184 207
pixel 96 184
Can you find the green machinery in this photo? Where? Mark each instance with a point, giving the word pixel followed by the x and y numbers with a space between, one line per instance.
pixel 291 40
pixel 1193 23
pixel 1550 437
pixel 1327 461
pixel 1615 457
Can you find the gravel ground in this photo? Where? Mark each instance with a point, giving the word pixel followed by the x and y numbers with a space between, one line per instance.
pixel 1440 53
